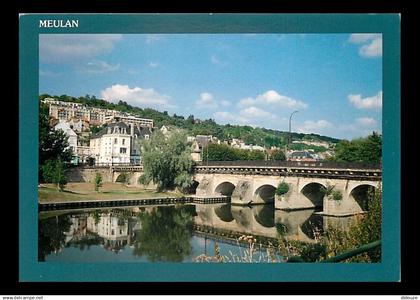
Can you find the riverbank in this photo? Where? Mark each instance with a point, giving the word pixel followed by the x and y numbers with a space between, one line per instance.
pixel 109 191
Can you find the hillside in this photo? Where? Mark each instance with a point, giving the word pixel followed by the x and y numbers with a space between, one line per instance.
pixel 255 136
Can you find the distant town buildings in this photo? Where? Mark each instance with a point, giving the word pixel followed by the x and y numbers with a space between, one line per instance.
pixel 199 142
pixel 238 143
pixel 302 156
pixel 68 111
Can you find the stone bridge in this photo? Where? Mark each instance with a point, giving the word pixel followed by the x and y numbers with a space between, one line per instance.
pixel 255 182
pixel 252 183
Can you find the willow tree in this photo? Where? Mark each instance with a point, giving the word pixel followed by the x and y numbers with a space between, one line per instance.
pixel 167 161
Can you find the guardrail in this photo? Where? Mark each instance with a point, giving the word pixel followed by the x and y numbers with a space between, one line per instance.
pixel 343 256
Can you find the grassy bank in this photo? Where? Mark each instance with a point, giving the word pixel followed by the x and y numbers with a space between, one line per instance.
pixel 85 191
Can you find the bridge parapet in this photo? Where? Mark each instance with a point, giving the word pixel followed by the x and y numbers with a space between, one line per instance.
pixel 291 164
pixel 319 172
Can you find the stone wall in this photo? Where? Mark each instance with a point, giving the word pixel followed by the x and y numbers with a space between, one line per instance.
pixel 88 175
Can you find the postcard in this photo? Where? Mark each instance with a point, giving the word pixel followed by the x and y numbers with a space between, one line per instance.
pixel 209 147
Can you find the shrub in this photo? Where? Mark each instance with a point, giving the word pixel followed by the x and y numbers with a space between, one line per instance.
pixel 282 189
pixel 337 195
pixel 98 181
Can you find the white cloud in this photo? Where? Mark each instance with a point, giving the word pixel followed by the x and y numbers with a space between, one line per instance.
pixel 206 100
pixel 366 103
pixel 314 126
pixel 365 122
pixel 358 128
pixel 227 117
pixel 135 96
pixel 371 44
pixel 255 112
pixel 68 48
pixel 225 103
pixel 98 67
pixel 251 116
pixel 271 98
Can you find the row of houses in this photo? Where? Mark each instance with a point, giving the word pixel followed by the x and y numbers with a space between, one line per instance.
pixel 85 116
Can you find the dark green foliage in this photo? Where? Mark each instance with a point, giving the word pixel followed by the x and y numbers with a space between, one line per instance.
pixel 366 150
pixel 282 189
pixel 309 252
pixel 225 152
pixel 54 171
pixel 301 146
pixel 97 181
pixel 337 195
pixel 51 235
pixel 124 178
pixel 167 161
pixel 366 229
pixel 165 234
pixel 278 155
pixel 53 144
pixel 327 190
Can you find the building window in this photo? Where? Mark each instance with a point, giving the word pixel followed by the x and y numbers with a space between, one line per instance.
pixel 123 150
pixel 123 141
pixel 115 141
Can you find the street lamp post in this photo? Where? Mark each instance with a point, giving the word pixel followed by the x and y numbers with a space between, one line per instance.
pixel 290 128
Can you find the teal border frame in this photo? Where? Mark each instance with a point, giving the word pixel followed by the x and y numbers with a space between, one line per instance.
pixel 30 270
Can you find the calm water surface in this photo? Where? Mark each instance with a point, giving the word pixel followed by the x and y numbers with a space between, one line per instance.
pixel 172 233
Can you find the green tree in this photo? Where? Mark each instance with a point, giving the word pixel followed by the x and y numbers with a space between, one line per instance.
pixel 97 181
pixel 53 144
pixel 167 161
pixel 278 155
pixel 54 171
pixel 366 150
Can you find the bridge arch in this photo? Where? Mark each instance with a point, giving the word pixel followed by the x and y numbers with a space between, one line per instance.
pixel 224 213
pixel 314 192
pixel 123 177
pixel 225 188
pixel 360 194
pixel 264 215
pixel 265 193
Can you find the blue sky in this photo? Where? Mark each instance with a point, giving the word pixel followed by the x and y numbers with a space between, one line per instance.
pixel 333 80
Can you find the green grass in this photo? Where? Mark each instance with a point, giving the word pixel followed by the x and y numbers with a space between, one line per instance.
pixel 85 191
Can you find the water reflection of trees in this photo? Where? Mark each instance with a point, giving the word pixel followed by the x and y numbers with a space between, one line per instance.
pixel 165 234
pixel 51 237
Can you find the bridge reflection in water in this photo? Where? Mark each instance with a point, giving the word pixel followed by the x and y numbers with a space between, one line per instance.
pixel 265 221
pixel 171 233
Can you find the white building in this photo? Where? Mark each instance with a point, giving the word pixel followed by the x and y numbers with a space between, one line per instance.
pixel 72 136
pixel 118 143
pixel 111 144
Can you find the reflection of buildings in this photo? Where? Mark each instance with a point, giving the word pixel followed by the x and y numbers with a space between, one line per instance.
pixel 77 228
pixel 114 230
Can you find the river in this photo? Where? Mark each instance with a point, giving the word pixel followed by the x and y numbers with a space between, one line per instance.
pixel 177 233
